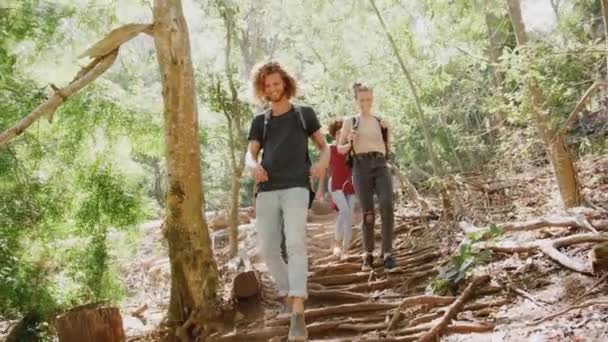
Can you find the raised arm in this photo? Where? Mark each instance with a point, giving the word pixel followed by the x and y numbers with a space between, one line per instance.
pixel 344 144
pixel 318 169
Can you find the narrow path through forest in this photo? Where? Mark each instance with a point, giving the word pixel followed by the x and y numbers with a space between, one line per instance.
pixel 513 296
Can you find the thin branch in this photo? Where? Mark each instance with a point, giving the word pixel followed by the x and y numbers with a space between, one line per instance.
pixel 115 39
pixel 453 310
pixel 471 55
pixel 97 67
pixel 579 106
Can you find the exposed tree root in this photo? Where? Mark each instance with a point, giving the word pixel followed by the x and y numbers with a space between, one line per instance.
pixel 546 222
pixel 418 300
pixel 313 314
pixel 453 310
pixel 550 249
pixel 337 295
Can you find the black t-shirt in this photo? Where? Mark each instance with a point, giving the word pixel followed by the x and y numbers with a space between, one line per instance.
pixel 285 151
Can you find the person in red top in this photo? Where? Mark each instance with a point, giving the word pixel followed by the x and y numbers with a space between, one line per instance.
pixel 342 194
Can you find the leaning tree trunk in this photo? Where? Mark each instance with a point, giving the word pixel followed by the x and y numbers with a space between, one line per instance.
pixel 494 43
pixel 604 4
pixel 194 275
pixel 233 114
pixel 422 121
pixel 556 146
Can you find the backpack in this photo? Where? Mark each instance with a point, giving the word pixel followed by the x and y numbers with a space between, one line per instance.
pixel 298 109
pixel 355 125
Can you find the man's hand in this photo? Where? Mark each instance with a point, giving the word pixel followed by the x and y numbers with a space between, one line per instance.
pixel 259 174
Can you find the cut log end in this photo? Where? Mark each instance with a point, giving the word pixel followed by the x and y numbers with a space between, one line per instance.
pixel 91 323
pixel 246 284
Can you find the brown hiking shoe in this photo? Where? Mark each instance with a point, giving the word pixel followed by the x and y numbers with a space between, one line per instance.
pixel 297 328
pixel 368 263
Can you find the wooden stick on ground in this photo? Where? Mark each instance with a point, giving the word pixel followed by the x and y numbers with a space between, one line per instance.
pixel 544 222
pixel 524 294
pixel 570 308
pixel 418 300
pixel 550 249
pixel 453 310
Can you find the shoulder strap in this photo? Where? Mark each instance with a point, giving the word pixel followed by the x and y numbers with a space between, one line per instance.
pixel 301 116
pixel 267 114
pixel 384 134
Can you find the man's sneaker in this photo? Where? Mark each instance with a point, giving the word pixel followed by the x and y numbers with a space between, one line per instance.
pixel 389 263
pixel 337 251
pixel 297 328
pixel 368 263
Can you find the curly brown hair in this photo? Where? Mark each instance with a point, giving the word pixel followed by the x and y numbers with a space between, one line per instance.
pixel 260 73
pixel 334 127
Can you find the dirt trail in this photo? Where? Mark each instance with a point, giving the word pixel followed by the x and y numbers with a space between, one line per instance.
pixel 346 304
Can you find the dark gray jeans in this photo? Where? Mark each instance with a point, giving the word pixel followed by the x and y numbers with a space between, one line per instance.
pixel 371 175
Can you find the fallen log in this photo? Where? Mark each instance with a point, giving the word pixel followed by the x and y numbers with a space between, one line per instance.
pixel 453 310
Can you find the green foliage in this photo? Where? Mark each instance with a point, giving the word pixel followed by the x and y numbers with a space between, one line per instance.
pixel 463 262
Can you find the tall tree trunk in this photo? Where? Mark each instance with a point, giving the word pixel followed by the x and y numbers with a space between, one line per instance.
pixel 605 17
pixel 422 122
pixel 194 275
pixel 233 110
pixel 494 48
pixel 558 151
pixel 555 6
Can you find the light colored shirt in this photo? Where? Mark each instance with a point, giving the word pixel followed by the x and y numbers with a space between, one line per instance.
pixel 369 134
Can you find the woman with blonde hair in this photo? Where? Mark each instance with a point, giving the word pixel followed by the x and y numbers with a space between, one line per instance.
pixel 364 140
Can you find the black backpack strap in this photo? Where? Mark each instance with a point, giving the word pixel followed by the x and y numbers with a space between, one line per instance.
pixel 384 132
pixel 267 115
pixel 354 128
pixel 301 116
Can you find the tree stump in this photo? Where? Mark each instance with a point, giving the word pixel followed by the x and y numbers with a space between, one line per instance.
pixel 599 258
pixel 92 323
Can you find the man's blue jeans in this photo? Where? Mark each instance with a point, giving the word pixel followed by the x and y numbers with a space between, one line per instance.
pixel 292 205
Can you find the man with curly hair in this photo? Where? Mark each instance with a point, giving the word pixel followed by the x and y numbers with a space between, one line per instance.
pixel 283 181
